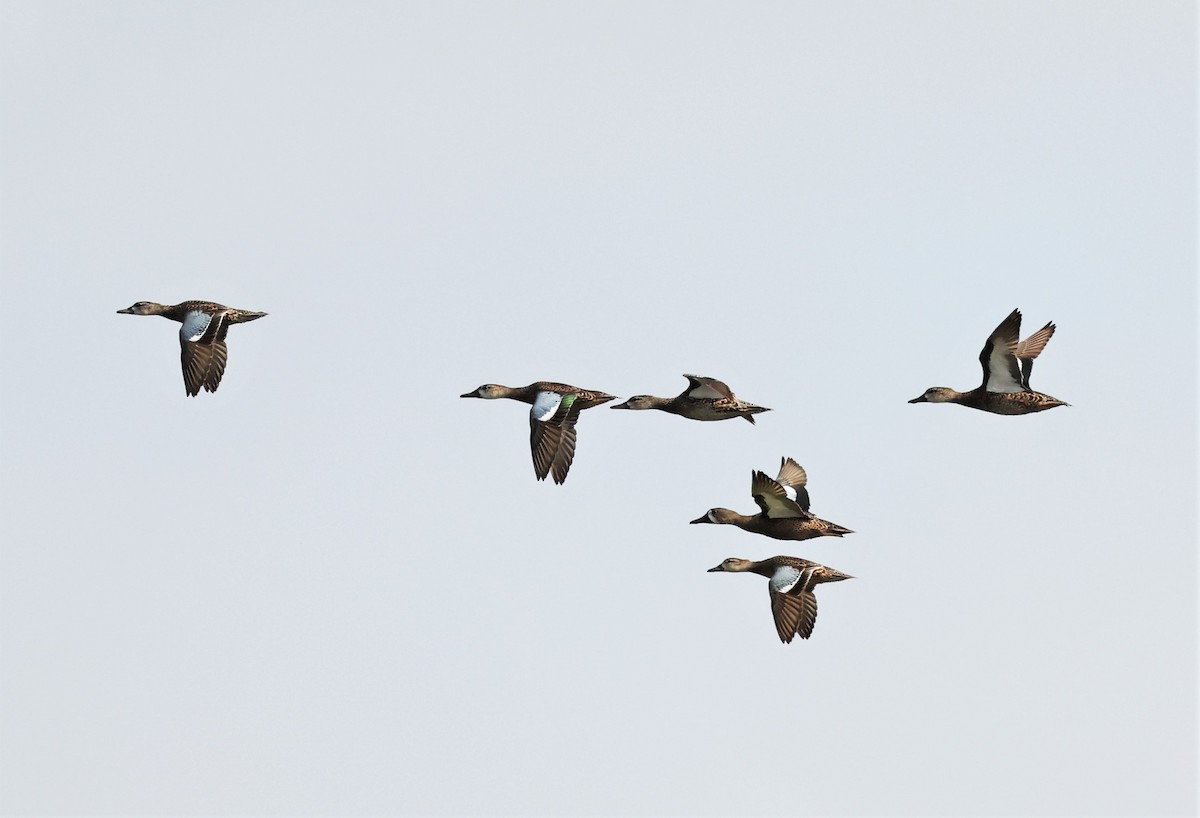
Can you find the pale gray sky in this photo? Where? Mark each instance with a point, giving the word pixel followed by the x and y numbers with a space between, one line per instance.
pixel 335 588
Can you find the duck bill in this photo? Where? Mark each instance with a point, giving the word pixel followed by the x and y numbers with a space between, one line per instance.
pixel 624 405
pixel 126 311
pixel 718 568
pixel 474 394
pixel 920 399
pixel 701 519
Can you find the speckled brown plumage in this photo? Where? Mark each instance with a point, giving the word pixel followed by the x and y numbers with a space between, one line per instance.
pixel 704 399
pixel 782 516
pixel 551 436
pixel 1007 364
pixel 203 353
pixel 792 580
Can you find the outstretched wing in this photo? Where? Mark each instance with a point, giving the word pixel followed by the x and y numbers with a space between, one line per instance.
pixel 795 613
pixel 552 435
pixel 772 498
pixel 1030 348
pixel 793 603
pixel 203 353
pixel 1001 373
pixel 793 478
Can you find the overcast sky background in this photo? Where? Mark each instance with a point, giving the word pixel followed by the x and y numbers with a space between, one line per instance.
pixel 335 588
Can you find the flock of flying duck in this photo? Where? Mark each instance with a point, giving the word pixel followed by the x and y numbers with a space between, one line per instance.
pixel 783 501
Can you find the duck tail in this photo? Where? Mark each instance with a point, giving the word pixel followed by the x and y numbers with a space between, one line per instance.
pixel 751 411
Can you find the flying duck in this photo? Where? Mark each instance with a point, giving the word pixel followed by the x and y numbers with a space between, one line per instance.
pixel 704 399
pixel 555 408
pixel 793 603
pixel 1006 363
pixel 784 508
pixel 201 338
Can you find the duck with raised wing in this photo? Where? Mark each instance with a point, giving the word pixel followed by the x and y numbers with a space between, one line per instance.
pixel 784 508
pixel 555 409
pixel 793 603
pixel 1006 363
pixel 704 399
pixel 201 338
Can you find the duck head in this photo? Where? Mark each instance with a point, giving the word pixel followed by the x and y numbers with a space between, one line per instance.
pixel 715 515
pixel 936 394
pixel 489 391
pixel 733 564
pixel 142 308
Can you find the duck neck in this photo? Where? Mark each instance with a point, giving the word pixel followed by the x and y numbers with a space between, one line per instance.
pixel 744 521
pixel 763 568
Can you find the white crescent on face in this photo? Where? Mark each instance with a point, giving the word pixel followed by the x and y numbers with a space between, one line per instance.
pixel 545 405
pixel 195 323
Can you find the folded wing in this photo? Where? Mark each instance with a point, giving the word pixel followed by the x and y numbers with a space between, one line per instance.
pixel 707 388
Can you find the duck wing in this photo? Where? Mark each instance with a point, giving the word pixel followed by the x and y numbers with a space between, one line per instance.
pixel 773 499
pixel 793 478
pixel 1030 348
pixel 1001 372
pixel 794 614
pixel 707 389
pixel 552 435
pixel 203 353
pixel 793 604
